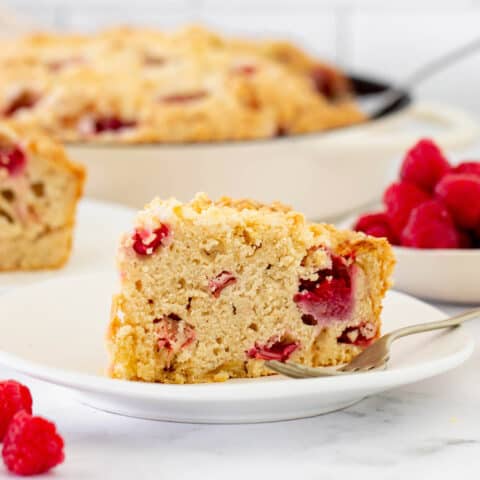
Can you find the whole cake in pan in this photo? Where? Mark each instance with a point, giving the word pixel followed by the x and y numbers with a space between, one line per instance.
pixel 143 86
pixel 210 290
pixel 39 190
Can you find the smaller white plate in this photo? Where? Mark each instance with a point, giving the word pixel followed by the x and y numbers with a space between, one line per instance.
pixel 55 331
pixel 97 232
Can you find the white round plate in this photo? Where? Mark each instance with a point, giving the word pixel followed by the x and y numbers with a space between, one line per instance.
pixel 98 229
pixel 55 331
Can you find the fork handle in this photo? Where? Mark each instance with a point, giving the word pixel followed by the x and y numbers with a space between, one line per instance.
pixel 428 327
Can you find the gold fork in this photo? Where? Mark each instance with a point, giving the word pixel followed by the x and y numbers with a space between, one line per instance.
pixel 375 356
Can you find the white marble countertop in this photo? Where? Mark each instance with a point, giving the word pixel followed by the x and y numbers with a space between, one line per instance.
pixel 432 426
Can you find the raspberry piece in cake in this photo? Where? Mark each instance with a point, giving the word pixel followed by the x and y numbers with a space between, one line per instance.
pixel 23 100
pixel 430 226
pixel 274 349
pixel 460 192
pixel 329 297
pixel 221 281
pixel 173 333
pixel 12 159
pixel 362 335
pixel 14 397
pixel 247 282
pixel 424 165
pixel 146 242
pixel 39 190
pixel 400 199
pixel 111 124
pixel 31 445
pixel 377 225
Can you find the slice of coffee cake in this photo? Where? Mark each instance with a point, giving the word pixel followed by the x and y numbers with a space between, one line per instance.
pixel 209 290
pixel 39 189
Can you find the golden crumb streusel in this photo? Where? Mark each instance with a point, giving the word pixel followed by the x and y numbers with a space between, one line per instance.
pixel 131 85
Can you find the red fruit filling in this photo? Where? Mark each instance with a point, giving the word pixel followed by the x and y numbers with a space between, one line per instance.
pixel 111 124
pixel 325 81
pixel 245 69
pixel 377 225
pixel 472 168
pixel 12 159
pixel 424 165
pixel 460 192
pixel 173 334
pixel 221 281
pixel 14 397
pixel 274 349
pixel 184 97
pixel 146 242
pixel 24 100
pixel 361 335
pixel 31 445
pixel 400 199
pixel 330 296
pixel 430 226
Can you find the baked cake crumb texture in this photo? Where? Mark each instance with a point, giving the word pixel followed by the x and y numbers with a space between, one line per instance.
pixel 39 190
pixel 210 290
pixel 129 85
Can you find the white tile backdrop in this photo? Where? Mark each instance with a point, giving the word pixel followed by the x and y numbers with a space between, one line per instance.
pixel 389 38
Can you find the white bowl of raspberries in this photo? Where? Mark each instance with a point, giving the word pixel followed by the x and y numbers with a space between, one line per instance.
pixel 432 217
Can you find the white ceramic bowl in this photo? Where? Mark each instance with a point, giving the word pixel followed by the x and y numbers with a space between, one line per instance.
pixel 439 274
pixel 323 175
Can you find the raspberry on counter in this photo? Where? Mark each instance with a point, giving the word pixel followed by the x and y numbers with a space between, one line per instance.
pixel 31 445
pixel 14 397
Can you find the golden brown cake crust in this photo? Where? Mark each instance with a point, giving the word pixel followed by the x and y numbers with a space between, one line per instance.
pixel 144 86
pixel 230 279
pixel 38 204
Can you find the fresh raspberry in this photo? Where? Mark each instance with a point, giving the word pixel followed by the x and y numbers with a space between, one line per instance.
pixel 400 199
pixel 424 165
pixel 476 237
pixel 274 349
pixel 473 168
pixel 466 239
pixel 221 281
pixel 461 194
pixel 430 226
pixel 145 242
pixel 31 445
pixel 13 397
pixel 329 296
pixel 377 225
pixel 13 160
